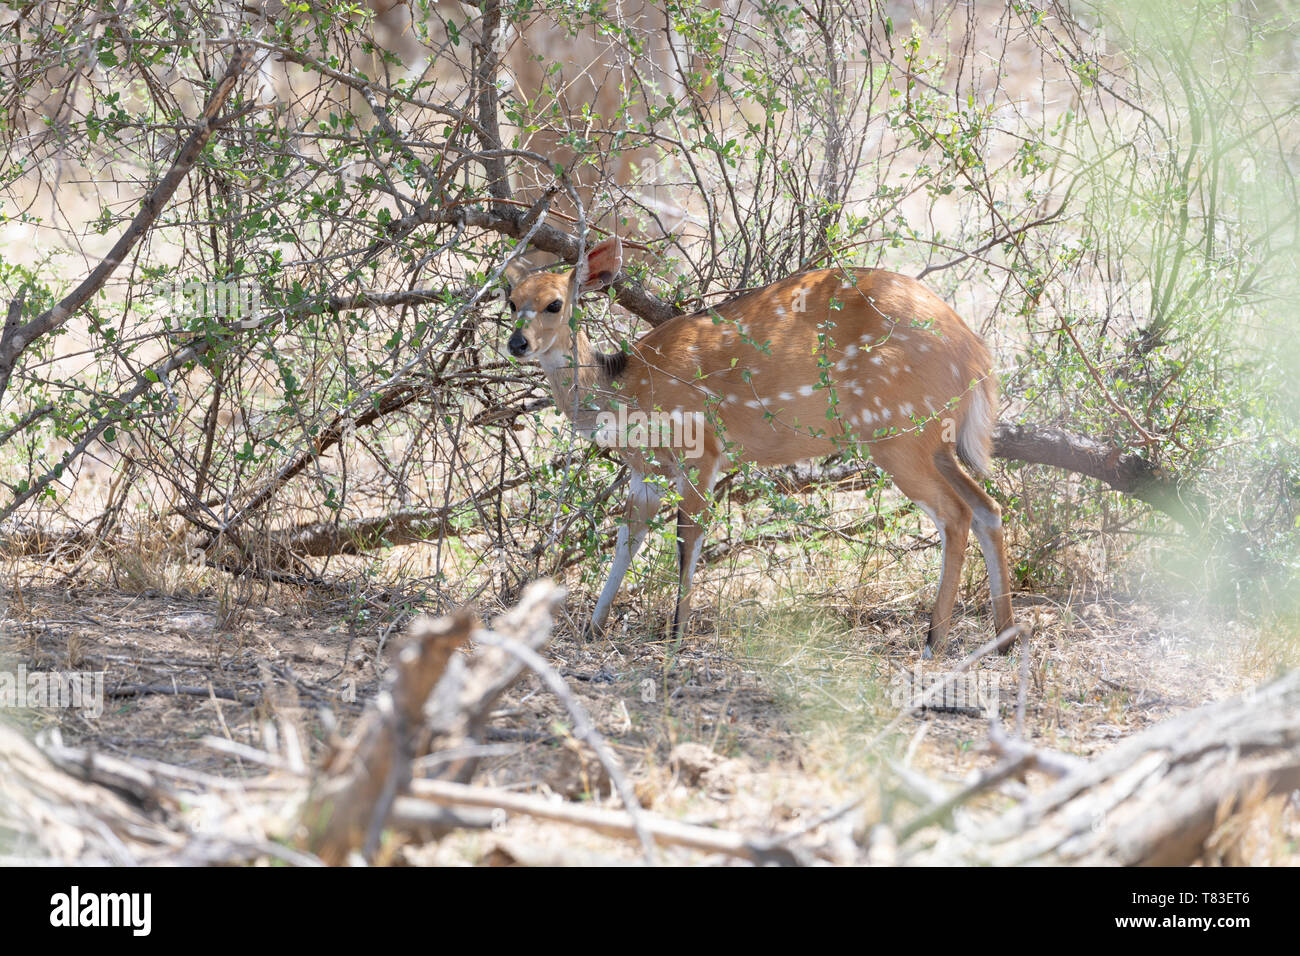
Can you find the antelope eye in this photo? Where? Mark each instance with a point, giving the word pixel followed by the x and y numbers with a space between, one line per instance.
pixel 555 306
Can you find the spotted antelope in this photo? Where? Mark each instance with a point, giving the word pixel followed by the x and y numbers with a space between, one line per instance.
pixel 822 362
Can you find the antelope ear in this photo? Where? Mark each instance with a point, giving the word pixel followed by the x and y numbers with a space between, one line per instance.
pixel 603 262
pixel 515 271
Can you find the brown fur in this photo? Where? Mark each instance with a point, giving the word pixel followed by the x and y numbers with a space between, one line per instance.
pixel 906 382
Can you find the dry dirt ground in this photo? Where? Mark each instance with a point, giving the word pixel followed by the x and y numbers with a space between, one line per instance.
pixel 760 720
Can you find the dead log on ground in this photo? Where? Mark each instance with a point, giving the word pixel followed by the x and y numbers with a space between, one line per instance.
pixel 361 778
pixel 1155 799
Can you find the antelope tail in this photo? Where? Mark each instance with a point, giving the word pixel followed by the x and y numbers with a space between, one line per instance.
pixel 975 434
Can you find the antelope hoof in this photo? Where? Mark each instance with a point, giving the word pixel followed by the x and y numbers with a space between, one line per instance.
pixel 594 631
pixel 680 620
pixel 1008 637
pixel 934 642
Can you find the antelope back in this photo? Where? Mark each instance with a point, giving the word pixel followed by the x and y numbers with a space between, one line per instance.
pixel 816 363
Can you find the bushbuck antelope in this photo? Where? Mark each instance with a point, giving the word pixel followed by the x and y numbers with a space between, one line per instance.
pixel 826 361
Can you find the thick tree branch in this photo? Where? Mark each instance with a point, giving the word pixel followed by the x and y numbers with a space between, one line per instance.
pixel 1126 472
pixel 514 222
pixel 485 78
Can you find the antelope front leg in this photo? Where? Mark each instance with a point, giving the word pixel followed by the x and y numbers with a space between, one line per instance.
pixel 642 503
pixel 695 487
pixel 690 538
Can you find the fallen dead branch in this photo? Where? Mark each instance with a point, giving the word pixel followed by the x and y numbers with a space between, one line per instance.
pixel 175 690
pixel 1153 800
pixel 609 822
pixel 1126 472
pixel 1050 762
pixel 362 776
pixel 51 813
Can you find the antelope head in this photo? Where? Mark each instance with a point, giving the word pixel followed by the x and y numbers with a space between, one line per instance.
pixel 542 303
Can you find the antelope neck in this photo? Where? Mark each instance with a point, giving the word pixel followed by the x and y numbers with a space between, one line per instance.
pixel 596 374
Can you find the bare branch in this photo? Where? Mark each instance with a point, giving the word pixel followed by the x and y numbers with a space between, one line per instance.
pixel 16 340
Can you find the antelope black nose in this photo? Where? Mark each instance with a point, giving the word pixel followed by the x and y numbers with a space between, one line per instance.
pixel 518 345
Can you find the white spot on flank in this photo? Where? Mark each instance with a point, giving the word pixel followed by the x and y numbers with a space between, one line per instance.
pixel 906 409
pixel 878 360
pixel 907 368
pixel 805 390
pixel 780 310
pixel 786 396
pixel 752 403
pixel 851 351
pixel 952 367
pixel 859 392
pixel 879 402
